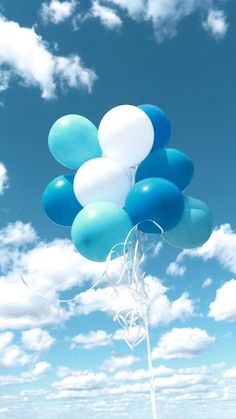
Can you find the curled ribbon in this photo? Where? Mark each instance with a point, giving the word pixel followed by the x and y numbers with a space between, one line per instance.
pixel 135 320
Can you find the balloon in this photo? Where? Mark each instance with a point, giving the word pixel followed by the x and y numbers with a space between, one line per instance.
pixel 195 226
pixel 168 163
pixel 59 201
pixel 101 179
pixel 161 125
pixel 73 140
pixel 126 135
pixel 99 227
pixel 155 199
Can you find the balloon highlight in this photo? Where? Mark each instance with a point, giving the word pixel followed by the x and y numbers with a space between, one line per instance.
pixel 124 176
pixel 59 201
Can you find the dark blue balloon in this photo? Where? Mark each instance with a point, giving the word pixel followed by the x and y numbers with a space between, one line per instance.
pixel 161 125
pixel 59 201
pixel 155 199
pixel 167 163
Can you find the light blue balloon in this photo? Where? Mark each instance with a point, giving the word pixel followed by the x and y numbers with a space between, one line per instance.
pixel 73 140
pixel 99 227
pixel 167 163
pixel 195 226
pixel 59 201
pixel 160 123
pixel 154 199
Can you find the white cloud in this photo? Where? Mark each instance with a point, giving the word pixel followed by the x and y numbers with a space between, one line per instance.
pixel 134 8
pixel 12 356
pixel 3 171
pixel 230 373
pixel 21 308
pixel 82 380
pixel 28 58
pixel 37 340
pixel 142 374
pixel 131 335
pixel 162 310
pixel 48 269
pixel 165 15
pixel 223 308
pixel 216 24
pixel 207 283
pixel 108 17
pixel 34 374
pixel 57 11
pixel 41 368
pixel 116 362
pixel 91 340
pixel 221 246
pixel 199 384
pixel 182 343
pixel 17 234
pixel 5 339
pixel 174 269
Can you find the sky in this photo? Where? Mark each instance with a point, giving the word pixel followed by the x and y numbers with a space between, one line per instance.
pixel 64 360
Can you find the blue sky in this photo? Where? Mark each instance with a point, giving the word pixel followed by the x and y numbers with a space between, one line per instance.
pixel 61 57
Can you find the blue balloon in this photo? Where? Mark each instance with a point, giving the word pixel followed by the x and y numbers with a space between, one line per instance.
pixel 99 227
pixel 161 125
pixel 167 163
pixel 195 226
pixel 59 201
pixel 73 140
pixel 155 199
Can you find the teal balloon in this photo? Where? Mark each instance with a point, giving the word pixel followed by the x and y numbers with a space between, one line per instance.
pixel 195 226
pixel 167 163
pixel 99 227
pixel 154 199
pixel 59 201
pixel 73 140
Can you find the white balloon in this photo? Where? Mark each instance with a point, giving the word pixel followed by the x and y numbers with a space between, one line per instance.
pixel 101 179
pixel 126 135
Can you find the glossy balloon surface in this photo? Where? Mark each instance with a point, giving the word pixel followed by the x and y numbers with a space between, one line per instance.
pixel 126 135
pixel 168 163
pixel 195 226
pixel 155 199
pixel 73 140
pixel 59 201
pixel 161 125
pixel 102 179
pixel 99 227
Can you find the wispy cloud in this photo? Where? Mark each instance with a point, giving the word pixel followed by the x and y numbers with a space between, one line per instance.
pixel 35 65
pixel 216 24
pixel 107 16
pixel 221 246
pixel 56 11
pixel 37 340
pixel 207 283
pixel 12 355
pixel 4 181
pixel 91 340
pixel 223 308
pixel 182 343
pixel 166 15
pixel 163 15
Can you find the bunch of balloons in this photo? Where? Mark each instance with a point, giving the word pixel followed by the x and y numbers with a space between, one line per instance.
pixel 125 176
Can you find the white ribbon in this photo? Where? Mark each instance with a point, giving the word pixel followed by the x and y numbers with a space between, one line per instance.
pixel 132 276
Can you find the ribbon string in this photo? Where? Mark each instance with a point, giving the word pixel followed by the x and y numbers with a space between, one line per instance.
pixel 134 320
